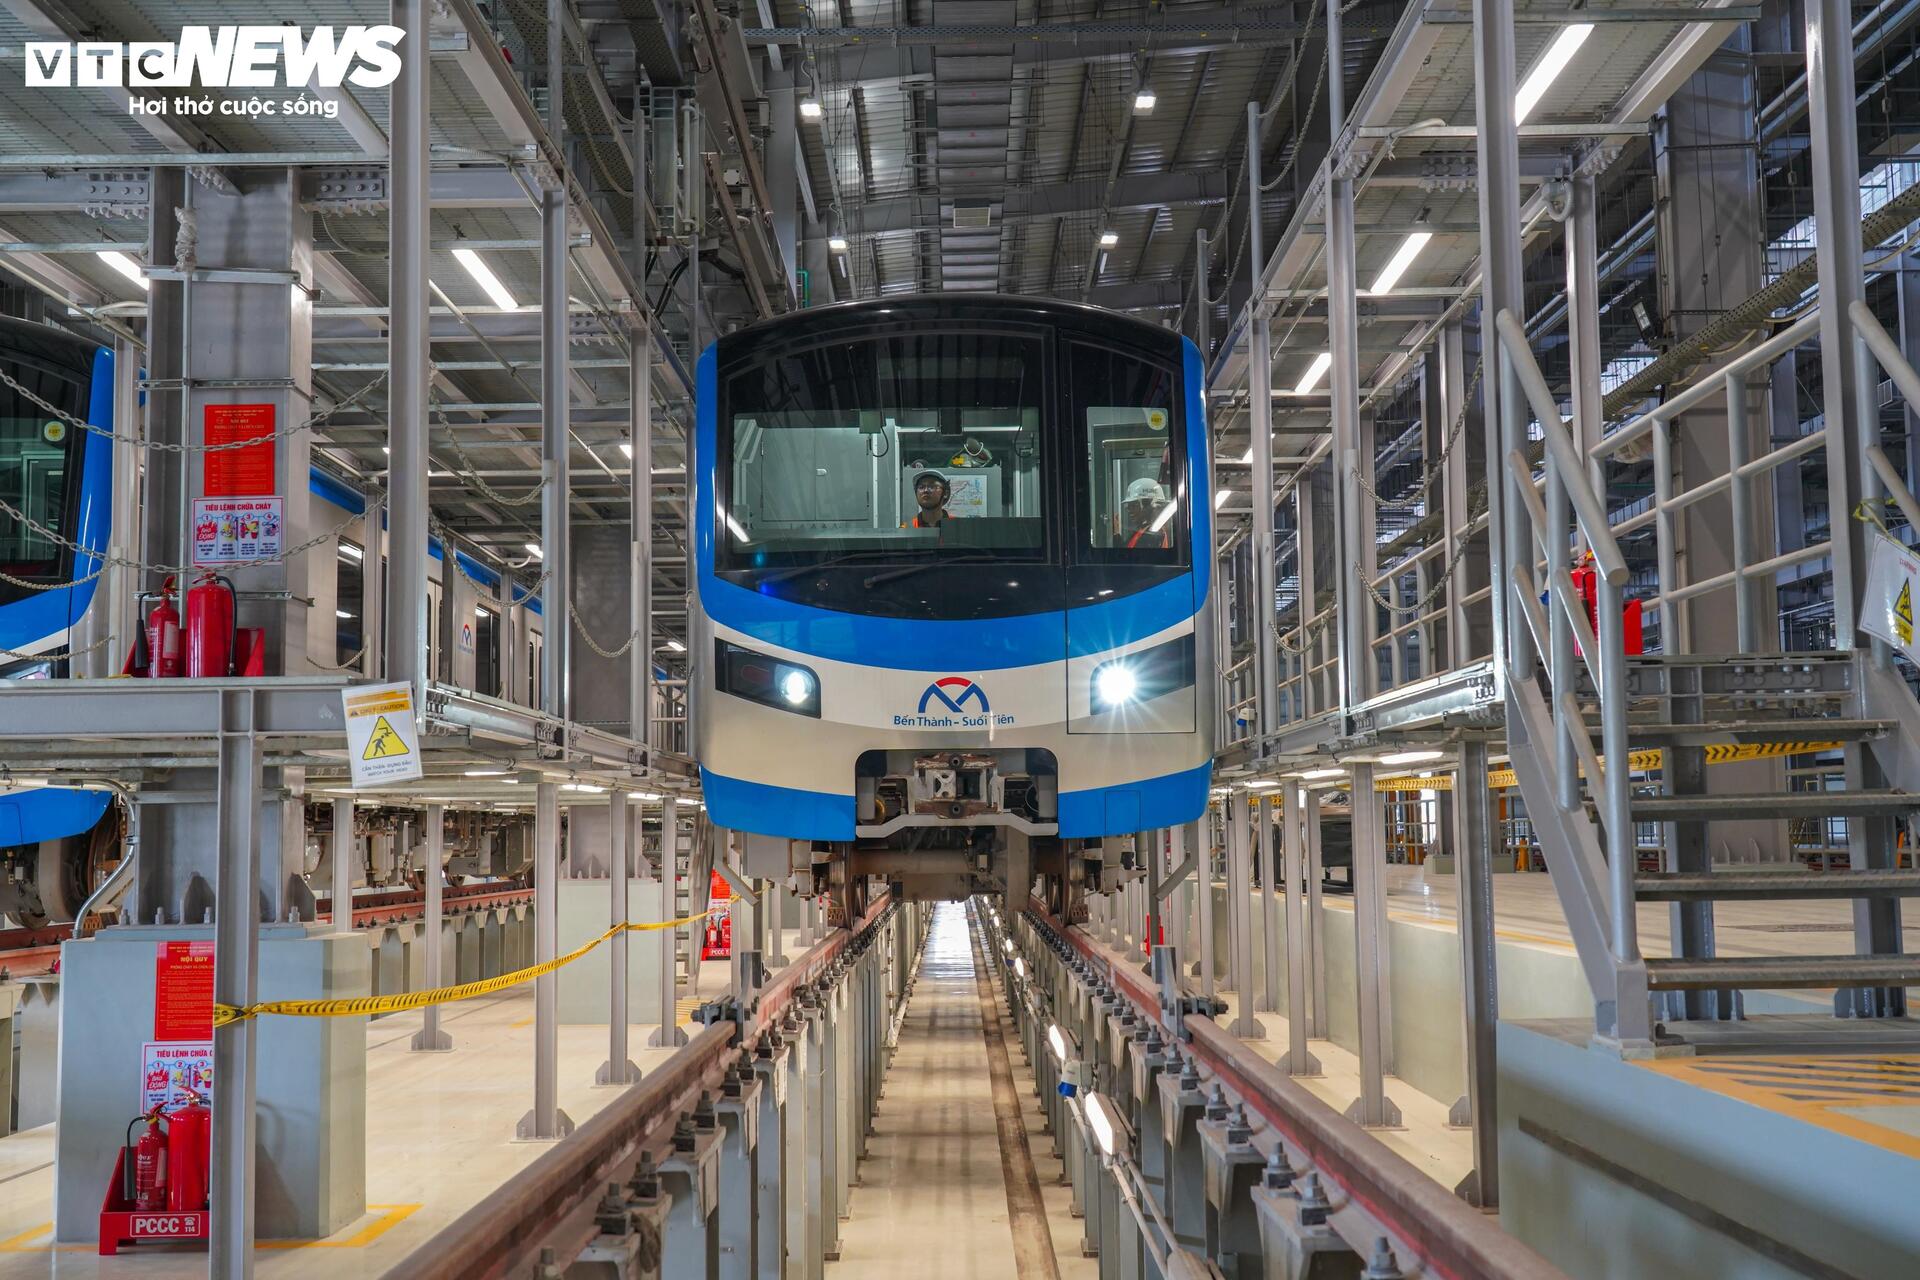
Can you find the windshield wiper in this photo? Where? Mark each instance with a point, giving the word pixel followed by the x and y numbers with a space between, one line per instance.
pixel 894 575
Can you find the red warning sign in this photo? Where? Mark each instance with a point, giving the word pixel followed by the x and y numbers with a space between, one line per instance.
pixel 245 471
pixel 183 991
pixel 717 942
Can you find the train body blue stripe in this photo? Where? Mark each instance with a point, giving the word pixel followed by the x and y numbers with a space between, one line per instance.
pixel 740 805
pixel 49 813
pixel 988 644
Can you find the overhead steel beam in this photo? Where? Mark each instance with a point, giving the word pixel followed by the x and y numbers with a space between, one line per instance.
pixel 1052 200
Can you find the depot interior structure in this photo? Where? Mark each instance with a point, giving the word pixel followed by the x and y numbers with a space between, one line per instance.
pixel 1539 908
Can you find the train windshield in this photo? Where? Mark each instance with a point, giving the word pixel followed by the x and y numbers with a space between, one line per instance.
pixel 915 446
pixel 39 471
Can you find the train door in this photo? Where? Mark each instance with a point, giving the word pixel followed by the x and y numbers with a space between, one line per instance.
pixel 486 644
pixel 435 650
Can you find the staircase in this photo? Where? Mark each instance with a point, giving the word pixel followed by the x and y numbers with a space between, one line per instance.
pixel 1577 703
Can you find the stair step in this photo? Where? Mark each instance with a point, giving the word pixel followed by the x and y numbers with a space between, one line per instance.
pixel 1696 886
pixel 1769 972
pixel 1794 804
pixel 1806 729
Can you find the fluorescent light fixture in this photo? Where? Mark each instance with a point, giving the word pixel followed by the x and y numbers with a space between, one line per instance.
pixel 1263 784
pixel 810 109
pixel 1144 102
pixel 836 244
pixel 483 276
pixel 1402 259
pixel 533 549
pixel 1057 1040
pixel 341 613
pixel 1020 968
pixel 1160 521
pixel 644 795
pixel 1411 757
pixel 1315 371
pixel 1547 69
pixel 1103 1120
pixel 581 786
pixel 626 449
pixel 1220 498
pixel 676 646
pixel 485 773
pixel 1108 239
pixel 1312 775
pixel 124 265
pixel 348 551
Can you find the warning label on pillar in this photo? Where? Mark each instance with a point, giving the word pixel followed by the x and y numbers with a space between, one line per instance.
pixel 383 738
pixel 172 1075
pixel 183 991
pixel 239 458
pixel 238 530
pixel 1888 608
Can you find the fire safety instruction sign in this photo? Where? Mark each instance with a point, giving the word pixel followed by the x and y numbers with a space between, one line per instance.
pixel 183 990
pixel 238 530
pixel 383 739
pixel 1892 571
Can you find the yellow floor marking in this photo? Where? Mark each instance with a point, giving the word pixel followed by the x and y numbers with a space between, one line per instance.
pixel 393 1216
pixel 18 1244
pixel 1785 1085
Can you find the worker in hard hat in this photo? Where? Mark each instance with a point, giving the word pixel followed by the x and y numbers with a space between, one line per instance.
pixel 1145 516
pixel 930 494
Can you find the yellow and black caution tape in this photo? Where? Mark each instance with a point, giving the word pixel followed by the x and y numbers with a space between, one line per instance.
pixel 1644 760
pixel 367 1005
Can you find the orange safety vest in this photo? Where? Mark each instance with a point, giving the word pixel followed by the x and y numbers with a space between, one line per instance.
pixel 1163 541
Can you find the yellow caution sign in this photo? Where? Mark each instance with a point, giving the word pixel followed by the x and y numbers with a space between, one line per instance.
pixel 1903 613
pixel 366 1006
pixel 384 744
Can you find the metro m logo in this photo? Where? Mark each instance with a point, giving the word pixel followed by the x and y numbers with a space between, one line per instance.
pixel 953 692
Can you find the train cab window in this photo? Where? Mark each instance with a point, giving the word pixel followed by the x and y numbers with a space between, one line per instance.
pixel 486 650
pixel 891 448
pixel 349 575
pixel 36 459
pixel 1133 478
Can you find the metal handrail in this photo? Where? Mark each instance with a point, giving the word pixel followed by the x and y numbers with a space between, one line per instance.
pixel 1570 492
pixel 1880 343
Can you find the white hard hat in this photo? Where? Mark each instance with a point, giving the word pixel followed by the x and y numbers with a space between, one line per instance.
pixel 1146 489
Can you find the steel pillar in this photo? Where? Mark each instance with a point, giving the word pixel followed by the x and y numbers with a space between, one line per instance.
pixel 1239 917
pixel 430 1038
pixel 1497 147
pixel 618 1068
pixel 1300 1060
pixel 236 969
pixel 668 1034
pixel 1269 900
pixel 1354 676
pixel 373 590
pixel 1316 930
pixel 1260 426
pixel 736 1207
pixel 1475 843
pixel 411 361
pixel 1372 973
pixel 640 481
pixel 1203 873
pixel 344 849
pixel 770 1178
pixel 546 1121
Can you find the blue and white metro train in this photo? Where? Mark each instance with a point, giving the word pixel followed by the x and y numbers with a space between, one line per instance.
pixel 951 623
pixel 55 843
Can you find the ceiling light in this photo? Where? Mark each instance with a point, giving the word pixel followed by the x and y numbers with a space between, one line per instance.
pixel 581 786
pixel 1108 239
pixel 1315 371
pixel 124 265
pixel 341 613
pixel 1144 101
pixel 1220 498
pixel 1544 72
pixel 533 549
pixel 1411 757
pixel 676 646
pixel 1312 775
pixel 836 244
pixel 485 773
pixel 644 795
pixel 1402 259
pixel 350 552
pixel 626 449
pixel 1263 784
pixel 483 276
pixel 810 109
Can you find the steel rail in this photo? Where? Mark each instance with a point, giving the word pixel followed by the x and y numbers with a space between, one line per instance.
pixel 552 1202
pixel 1448 1235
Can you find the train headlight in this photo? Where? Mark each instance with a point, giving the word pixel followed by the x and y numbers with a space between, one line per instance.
pixel 1114 685
pixel 772 682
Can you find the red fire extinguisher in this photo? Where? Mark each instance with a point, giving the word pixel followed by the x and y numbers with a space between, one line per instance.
pixel 210 631
pixel 189 1156
pixel 163 636
pixel 149 1189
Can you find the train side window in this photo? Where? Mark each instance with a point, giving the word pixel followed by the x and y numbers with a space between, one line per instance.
pixel 1133 482
pixel 486 651
pixel 349 577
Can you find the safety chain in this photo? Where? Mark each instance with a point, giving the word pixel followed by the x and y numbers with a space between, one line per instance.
pixel 1439 464
pixel 351 664
pixel 108 558
pixel 1459 553
pixel 471 473
pixel 440 529
pixel 168 446
pixel 68 656
pixel 1308 634
pixel 595 645
pixel 1313 105
pixel 26 584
